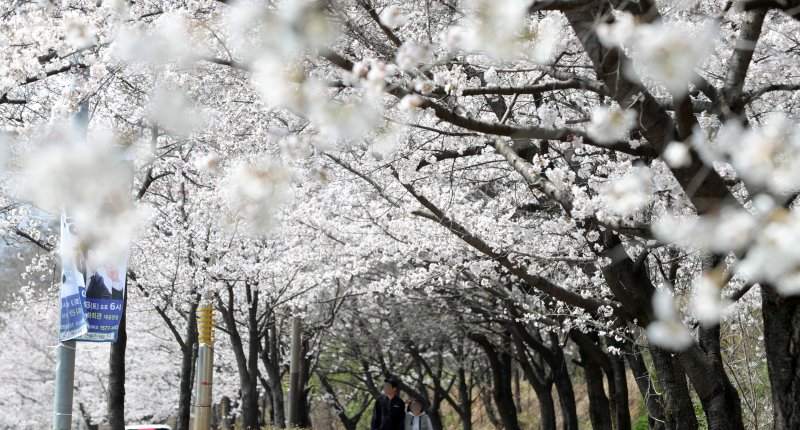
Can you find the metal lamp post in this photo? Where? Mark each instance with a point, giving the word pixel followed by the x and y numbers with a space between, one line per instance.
pixel 205 367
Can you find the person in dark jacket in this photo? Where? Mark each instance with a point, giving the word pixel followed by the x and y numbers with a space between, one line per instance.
pixel 389 413
pixel 97 288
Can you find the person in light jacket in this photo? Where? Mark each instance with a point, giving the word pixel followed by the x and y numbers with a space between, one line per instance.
pixel 416 418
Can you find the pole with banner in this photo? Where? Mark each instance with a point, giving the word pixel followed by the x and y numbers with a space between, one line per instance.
pixel 73 320
pixel 92 289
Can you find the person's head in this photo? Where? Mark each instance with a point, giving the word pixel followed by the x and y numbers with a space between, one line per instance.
pixel 390 385
pixel 415 406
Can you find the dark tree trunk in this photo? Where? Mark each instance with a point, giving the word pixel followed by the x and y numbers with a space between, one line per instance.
pixel 782 343
pixel 271 358
pixel 188 357
pixel 465 400
pixel 246 364
pixel 116 374
pixel 622 416
pixel 547 408
pixel 566 394
pixel 436 420
pixel 541 385
pixel 250 392
pixel 676 402
pixel 719 398
pixel 349 423
pixel 304 408
pixel 269 409
pixel 87 419
pixel 434 413
pixel 517 391
pixel 553 355
pixel 651 397
pixel 509 412
pixel 599 407
pixel 500 363
pixel 432 369
pixel 491 414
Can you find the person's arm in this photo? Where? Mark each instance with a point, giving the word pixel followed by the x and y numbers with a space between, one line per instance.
pixel 428 419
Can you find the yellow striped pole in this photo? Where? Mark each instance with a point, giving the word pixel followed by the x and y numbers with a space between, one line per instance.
pixel 205 366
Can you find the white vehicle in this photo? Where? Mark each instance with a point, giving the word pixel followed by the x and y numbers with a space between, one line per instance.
pixel 149 427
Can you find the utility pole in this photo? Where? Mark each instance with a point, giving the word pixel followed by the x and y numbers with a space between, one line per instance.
pixel 65 383
pixel 65 355
pixel 294 373
pixel 205 366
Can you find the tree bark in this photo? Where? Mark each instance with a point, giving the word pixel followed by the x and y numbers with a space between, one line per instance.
pixel 720 400
pixel 547 408
pixel 652 399
pixel 270 356
pixel 599 407
pixel 246 364
pixel 250 391
pixel 782 343
pixel 116 373
pixel 655 123
pixel 488 405
pixel 188 357
pixel 566 393
pixel 465 399
pixel 676 402
pixel 622 415
pixel 541 386
pixel 499 362
pixel 304 406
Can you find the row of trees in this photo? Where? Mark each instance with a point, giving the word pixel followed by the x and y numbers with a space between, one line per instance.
pixel 456 192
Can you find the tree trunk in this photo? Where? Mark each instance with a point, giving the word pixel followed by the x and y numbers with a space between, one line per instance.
pixel 517 391
pixel 509 412
pixel 87 419
pixel 488 405
pixel 250 408
pixel 188 357
pixel 652 399
pixel 304 407
pixel 542 387
pixel 500 363
pixel 116 373
pixel 434 411
pixel 566 394
pixel 782 343
pixel 676 402
pixel 270 357
pixel 599 408
pixel 244 363
pixel 719 398
pixel 547 408
pixel 465 399
pixel 269 409
pixel 622 415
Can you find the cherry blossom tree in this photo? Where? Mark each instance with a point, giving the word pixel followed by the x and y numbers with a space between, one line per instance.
pixel 547 182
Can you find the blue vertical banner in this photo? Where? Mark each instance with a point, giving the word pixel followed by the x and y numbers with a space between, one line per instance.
pixel 92 290
pixel 73 285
